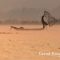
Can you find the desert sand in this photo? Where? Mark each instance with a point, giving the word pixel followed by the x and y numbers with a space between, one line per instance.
pixel 27 45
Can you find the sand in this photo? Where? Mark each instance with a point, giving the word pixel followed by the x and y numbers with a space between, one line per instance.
pixel 27 45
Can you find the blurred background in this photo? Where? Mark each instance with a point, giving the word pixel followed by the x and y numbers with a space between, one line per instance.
pixel 27 11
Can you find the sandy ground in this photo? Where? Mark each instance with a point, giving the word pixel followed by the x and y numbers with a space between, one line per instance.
pixel 29 45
